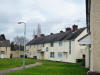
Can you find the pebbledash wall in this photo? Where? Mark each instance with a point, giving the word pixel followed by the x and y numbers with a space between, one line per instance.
pixel 5 52
pixel 4 47
pixel 17 53
pixel 67 51
pixel 95 34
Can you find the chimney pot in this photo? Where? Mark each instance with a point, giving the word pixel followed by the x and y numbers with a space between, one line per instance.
pixel 61 31
pixel 42 35
pixel 75 27
pixel 35 36
pixel 51 33
pixel 68 29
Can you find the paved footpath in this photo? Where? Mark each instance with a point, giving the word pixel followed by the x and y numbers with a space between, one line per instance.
pixel 3 72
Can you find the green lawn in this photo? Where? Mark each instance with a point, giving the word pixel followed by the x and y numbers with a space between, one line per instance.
pixel 53 68
pixel 10 63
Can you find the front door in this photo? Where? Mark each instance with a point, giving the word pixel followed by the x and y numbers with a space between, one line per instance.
pixel 65 56
pixel 38 55
pixel 42 55
pixel 83 60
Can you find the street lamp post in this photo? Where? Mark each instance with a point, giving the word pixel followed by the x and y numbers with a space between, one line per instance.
pixel 19 49
pixel 24 42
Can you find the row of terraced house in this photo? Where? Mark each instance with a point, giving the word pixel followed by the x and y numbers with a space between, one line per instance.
pixel 62 46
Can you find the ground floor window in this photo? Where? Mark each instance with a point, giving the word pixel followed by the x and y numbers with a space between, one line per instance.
pixel 60 54
pixel 52 54
pixel 30 53
pixel 2 52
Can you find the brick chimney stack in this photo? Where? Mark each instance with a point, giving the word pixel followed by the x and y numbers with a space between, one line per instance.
pixel 35 36
pixel 68 29
pixel 61 31
pixel 74 27
pixel 51 34
pixel 2 37
pixel 42 35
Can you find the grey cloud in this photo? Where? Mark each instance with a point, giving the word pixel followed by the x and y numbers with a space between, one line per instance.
pixel 12 11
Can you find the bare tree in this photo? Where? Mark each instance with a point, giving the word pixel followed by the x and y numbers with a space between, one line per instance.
pixel 19 40
pixel 16 40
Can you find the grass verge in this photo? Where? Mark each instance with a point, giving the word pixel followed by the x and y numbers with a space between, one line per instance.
pixel 15 62
pixel 53 68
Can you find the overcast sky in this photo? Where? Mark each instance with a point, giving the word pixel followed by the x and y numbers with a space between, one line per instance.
pixel 52 15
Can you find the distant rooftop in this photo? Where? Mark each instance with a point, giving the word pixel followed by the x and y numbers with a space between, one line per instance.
pixel 67 35
pixel 3 41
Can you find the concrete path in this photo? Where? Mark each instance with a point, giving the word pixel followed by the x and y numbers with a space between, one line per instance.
pixel 3 72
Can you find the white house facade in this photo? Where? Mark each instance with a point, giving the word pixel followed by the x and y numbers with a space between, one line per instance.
pixel 86 42
pixel 4 47
pixel 63 46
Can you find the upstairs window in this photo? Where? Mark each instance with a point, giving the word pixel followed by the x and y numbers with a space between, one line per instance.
pixel 46 48
pixel 60 43
pixel 52 44
pixel 43 45
pixel 52 54
pixel 30 46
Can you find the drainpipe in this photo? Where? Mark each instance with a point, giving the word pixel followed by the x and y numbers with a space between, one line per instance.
pixel 89 46
pixel 70 47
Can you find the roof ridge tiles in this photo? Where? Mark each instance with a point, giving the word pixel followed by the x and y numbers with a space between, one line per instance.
pixel 56 37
